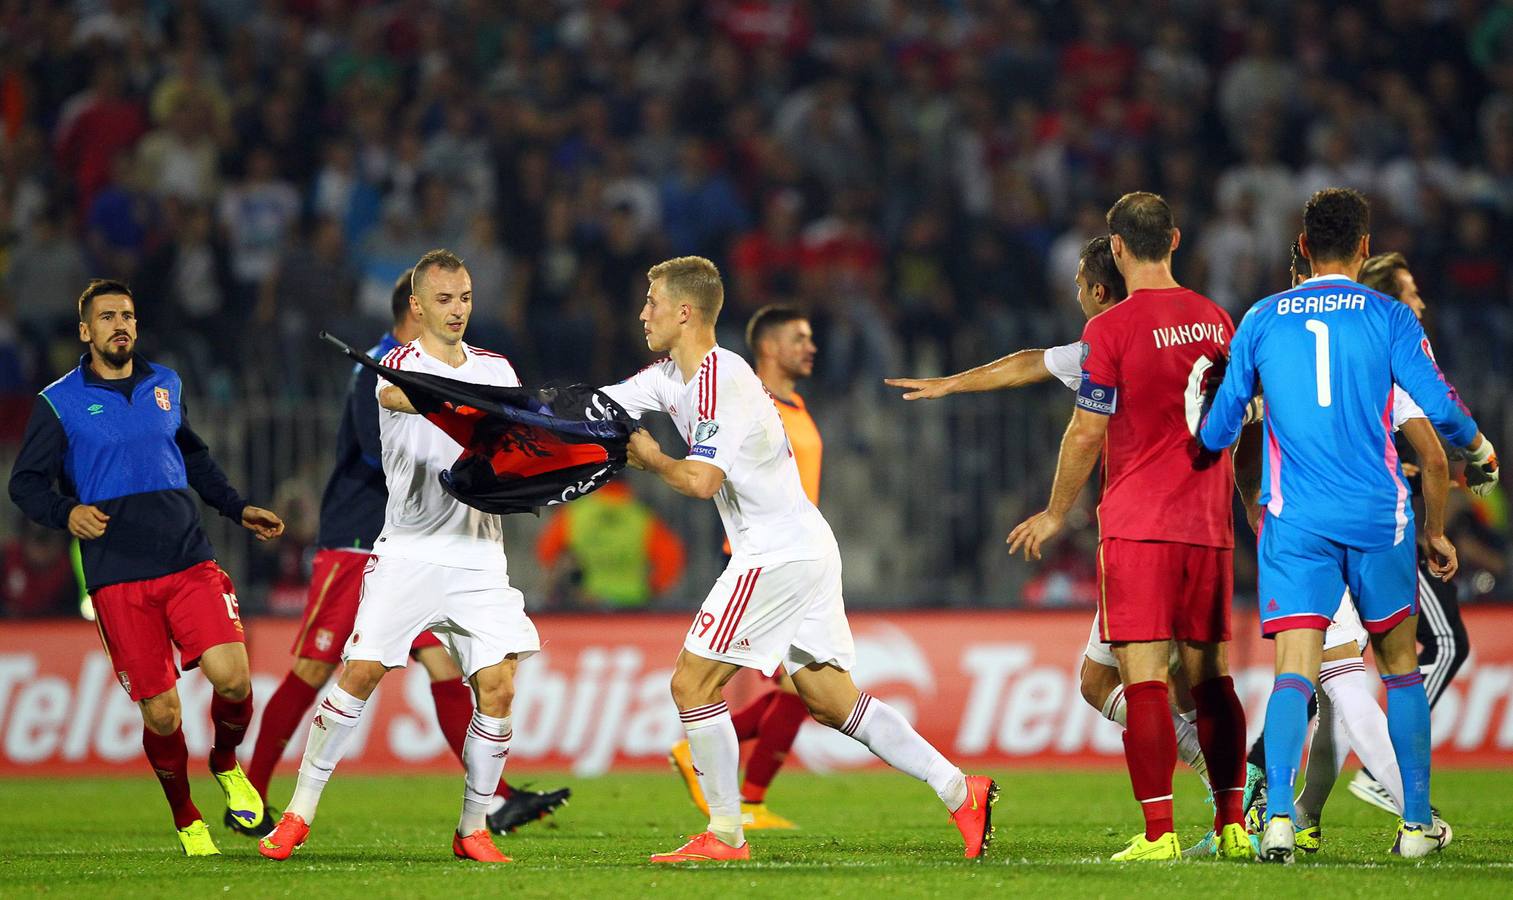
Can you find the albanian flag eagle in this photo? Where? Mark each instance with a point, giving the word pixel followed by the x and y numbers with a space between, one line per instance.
pixel 522 448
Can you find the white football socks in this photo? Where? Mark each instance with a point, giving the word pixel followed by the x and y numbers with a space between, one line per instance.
pixel 717 760
pixel 1189 750
pixel 889 735
pixel 1326 754
pixel 1353 695
pixel 331 732
pixel 485 750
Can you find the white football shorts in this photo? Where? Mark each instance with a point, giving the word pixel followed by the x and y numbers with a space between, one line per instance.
pixel 474 612
pixel 790 613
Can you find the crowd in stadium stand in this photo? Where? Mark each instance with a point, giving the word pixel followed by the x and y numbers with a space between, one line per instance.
pixel 920 176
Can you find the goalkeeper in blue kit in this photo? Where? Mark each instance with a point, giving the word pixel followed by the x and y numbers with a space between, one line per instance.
pixel 1335 502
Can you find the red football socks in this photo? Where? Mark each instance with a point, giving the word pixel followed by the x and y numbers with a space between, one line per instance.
pixel 285 711
pixel 169 757
pixel 748 719
pixel 780 724
pixel 1150 751
pixel 1221 733
pixel 230 719
pixel 454 710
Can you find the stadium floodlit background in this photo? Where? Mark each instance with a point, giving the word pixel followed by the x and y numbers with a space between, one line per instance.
pixel 920 177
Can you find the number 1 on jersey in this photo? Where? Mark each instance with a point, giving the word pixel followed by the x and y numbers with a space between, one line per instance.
pixel 1321 358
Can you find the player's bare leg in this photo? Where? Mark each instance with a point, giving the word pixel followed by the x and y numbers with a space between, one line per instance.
pixel 698 689
pixel 484 753
pixel 1396 654
pixel 230 675
pixel 331 733
pixel 1221 734
pixel 1150 746
pixel 1299 653
pixel 163 742
pixel 833 700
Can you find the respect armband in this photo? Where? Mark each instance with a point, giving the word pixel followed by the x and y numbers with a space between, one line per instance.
pixel 1097 398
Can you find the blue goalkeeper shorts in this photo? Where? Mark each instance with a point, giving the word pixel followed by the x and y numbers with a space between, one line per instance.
pixel 1303 575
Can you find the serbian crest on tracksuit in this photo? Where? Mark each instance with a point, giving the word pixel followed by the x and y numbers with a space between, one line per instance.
pixel 164 403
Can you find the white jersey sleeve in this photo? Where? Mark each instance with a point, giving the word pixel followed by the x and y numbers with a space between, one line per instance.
pixel 1065 363
pixel 1403 408
pixel 643 392
pixel 726 407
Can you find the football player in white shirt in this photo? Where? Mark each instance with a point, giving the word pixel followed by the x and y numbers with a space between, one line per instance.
pixel 438 565
pixel 779 600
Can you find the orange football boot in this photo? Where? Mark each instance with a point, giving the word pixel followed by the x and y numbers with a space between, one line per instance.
pixel 974 818
pixel 704 848
pixel 287 836
pixel 477 846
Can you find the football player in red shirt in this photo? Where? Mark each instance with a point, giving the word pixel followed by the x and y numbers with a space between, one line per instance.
pixel 1166 543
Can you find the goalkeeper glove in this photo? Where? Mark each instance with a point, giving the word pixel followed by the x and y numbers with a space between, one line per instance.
pixel 1482 472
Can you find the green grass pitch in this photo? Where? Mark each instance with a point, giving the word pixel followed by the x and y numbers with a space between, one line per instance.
pixel 872 835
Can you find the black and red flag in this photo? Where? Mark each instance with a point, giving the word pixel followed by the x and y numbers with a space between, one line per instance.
pixel 522 448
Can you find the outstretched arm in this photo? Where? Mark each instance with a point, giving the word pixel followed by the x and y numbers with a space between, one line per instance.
pixel 1012 371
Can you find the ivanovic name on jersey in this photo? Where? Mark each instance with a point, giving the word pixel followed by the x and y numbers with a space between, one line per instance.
pixel 1175 335
pixel 1320 303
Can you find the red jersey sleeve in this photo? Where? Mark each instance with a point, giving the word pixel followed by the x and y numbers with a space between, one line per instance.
pixel 1102 352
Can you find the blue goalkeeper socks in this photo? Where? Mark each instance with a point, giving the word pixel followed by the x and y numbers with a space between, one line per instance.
pixel 1408 725
pixel 1286 727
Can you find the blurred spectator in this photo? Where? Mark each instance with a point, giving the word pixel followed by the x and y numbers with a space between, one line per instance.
pixel 1260 81
pixel 187 280
pixel 179 158
pixel 258 212
pixel 121 221
pixel 47 271
pixel 765 263
pixel 38 577
pixel 309 288
pixel 700 209
pixel 1424 167
pixel 93 127
pixel 609 550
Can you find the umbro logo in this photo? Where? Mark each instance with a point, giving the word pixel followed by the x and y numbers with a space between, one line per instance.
pixel 95 409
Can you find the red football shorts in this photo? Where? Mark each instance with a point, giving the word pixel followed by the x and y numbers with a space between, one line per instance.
pixel 1159 590
pixel 331 608
pixel 141 622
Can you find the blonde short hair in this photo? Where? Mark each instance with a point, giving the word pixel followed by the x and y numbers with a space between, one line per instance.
pixel 693 279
